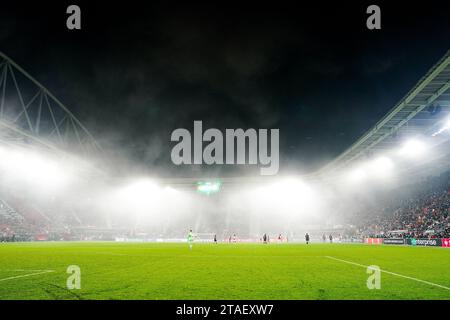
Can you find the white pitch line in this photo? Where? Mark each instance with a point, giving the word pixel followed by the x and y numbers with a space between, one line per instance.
pixel 30 270
pixel 26 275
pixel 391 273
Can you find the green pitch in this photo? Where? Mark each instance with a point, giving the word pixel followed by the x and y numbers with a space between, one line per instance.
pixel 223 271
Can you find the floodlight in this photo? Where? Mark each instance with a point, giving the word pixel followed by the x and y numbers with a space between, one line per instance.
pixel 381 166
pixel 288 194
pixel 357 174
pixel 290 187
pixel 140 192
pixel 413 148
pixel 33 168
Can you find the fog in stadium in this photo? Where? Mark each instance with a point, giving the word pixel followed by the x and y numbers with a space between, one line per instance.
pixel 222 151
pixel 85 139
pixel 145 205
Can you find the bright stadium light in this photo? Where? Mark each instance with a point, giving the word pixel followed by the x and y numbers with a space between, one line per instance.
pixel 140 193
pixel 382 163
pixel 33 168
pixel 285 196
pixel 381 166
pixel 208 187
pixel 169 190
pixel 413 148
pixel 290 187
pixel 45 170
pixel 357 175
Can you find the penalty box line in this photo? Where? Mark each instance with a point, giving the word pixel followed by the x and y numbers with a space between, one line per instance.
pixel 27 275
pixel 391 273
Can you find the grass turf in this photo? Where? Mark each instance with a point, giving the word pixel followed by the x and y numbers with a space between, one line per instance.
pixel 223 271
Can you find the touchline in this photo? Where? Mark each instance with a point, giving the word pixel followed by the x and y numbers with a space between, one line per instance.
pixel 257 151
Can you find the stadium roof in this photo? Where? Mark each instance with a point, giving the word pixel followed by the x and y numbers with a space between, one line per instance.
pixel 418 113
pixel 32 117
pixel 31 114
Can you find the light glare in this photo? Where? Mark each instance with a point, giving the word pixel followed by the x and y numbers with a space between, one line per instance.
pixel 413 148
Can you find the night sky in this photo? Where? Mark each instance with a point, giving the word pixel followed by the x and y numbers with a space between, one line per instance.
pixel 138 70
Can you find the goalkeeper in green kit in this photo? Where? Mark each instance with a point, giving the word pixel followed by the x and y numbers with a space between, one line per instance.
pixel 190 239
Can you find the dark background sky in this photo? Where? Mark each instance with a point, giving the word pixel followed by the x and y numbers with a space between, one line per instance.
pixel 138 70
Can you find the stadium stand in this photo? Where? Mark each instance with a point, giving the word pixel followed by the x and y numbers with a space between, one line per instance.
pixel 423 213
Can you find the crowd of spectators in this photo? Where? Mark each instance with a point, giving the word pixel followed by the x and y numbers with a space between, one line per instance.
pixel 423 213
